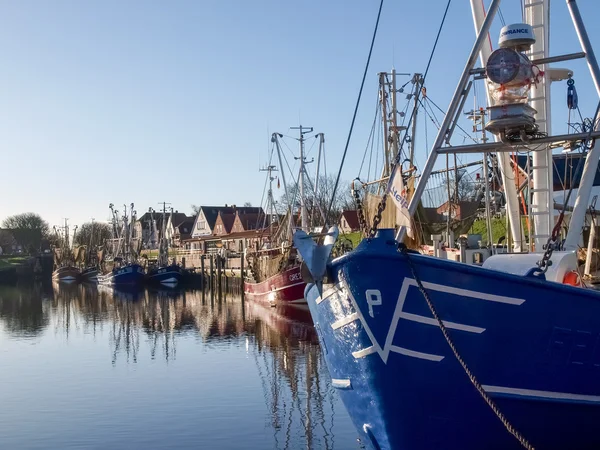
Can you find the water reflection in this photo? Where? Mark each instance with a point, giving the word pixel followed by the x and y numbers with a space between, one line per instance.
pixel 299 407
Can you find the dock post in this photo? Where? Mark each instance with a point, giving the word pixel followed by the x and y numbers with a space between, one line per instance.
pixel 219 273
pixel 203 275
pixel 242 272
pixel 211 285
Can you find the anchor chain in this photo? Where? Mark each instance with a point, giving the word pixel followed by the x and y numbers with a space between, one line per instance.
pixel 362 221
pixel 545 262
pixel 509 427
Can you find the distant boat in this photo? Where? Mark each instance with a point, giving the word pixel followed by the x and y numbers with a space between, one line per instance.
pixel 163 272
pixel 66 274
pixel 131 274
pixel 64 260
pixel 126 271
pixel 90 273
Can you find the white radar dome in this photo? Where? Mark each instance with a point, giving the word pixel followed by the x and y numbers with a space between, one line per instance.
pixel 518 36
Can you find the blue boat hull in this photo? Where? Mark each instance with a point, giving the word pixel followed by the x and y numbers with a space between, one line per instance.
pixel 169 276
pixel 128 275
pixel 533 345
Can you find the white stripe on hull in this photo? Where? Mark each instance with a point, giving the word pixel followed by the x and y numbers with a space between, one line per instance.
pixel 533 394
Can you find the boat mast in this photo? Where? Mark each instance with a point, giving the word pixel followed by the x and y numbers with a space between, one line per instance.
pixel 303 210
pixel 418 82
pixel 591 161
pixel 89 252
pixel 512 201
pixel 537 14
pixel 275 140
pixel 270 201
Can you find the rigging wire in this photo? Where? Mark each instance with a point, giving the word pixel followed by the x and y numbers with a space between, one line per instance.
pixel 362 84
pixel 370 140
pixel 412 114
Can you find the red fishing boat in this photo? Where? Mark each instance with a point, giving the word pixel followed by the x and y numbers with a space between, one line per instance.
pixel 283 287
pixel 274 272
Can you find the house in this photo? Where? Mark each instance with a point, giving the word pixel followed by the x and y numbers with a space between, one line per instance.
pixel 349 221
pixel 224 223
pixel 204 225
pixel 143 228
pixel 245 221
pixel 178 225
pixel 458 211
pixel 252 239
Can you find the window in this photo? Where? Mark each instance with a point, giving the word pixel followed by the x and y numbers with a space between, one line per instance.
pixel 201 225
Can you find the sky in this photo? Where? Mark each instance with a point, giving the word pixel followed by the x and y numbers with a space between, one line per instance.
pixel 146 101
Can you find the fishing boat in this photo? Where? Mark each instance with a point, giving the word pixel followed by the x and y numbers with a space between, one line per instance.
pixel 164 273
pixel 428 352
pixel 91 268
pixel 125 269
pixel 274 272
pixel 65 270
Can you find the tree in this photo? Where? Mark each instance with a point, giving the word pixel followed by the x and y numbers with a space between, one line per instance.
pixel 95 232
pixel 247 204
pixel 28 230
pixel 320 202
pixel 7 241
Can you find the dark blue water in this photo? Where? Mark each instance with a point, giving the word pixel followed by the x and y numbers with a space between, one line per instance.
pixel 88 369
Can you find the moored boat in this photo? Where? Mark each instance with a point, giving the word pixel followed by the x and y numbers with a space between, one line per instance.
pixel 431 353
pixel 64 260
pixel 170 275
pixel 66 274
pixel 127 275
pixel 125 269
pixel 90 273
pixel 163 272
pixel 274 272
pixel 283 287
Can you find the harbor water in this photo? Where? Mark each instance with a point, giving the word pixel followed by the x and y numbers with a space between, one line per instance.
pixel 82 367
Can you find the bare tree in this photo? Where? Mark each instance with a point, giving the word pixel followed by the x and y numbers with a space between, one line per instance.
pixel 319 204
pixel 95 233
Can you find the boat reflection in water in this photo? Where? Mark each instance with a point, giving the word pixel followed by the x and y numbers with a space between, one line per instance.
pixel 224 360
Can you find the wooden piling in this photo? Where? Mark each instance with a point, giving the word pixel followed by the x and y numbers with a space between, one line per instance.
pixel 202 272
pixel 242 273
pixel 219 273
pixel 211 285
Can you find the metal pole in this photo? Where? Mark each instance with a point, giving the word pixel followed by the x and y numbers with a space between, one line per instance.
pixel 418 78
pixel 303 211
pixel 456 98
pixel 504 161
pixel 590 248
pixel 591 161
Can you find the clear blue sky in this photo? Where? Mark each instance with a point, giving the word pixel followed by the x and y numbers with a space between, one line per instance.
pixel 145 101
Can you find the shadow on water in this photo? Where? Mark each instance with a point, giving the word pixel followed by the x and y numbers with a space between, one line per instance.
pixel 301 405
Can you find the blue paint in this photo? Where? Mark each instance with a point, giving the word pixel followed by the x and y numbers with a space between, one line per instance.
pixel 401 400
pixel 129 274
pixel 168 274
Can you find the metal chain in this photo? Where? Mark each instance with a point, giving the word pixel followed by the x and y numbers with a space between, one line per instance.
pixel 545 262
pixel 362 221
pixel 511 429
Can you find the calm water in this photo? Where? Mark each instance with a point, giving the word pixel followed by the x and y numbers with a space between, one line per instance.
pixel 88 369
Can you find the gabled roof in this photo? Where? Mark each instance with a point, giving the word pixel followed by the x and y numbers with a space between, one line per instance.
pixel 227 219
pixel 178 218
pixel 251 221
pixel 351 216
pixel 211 212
